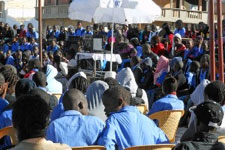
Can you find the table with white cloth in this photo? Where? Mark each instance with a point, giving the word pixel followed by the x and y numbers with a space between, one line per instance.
pixel 99 56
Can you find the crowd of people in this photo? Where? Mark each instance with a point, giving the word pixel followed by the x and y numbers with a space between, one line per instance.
pixel 161 68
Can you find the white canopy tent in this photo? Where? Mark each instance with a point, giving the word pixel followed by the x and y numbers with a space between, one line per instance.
pixel 114 11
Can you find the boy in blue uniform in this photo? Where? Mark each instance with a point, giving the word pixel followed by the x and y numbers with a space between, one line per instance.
pixel 126 126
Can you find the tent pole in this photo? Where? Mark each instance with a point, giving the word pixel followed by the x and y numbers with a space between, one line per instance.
pixel 40 30
pixel 212 40
pixel 220 40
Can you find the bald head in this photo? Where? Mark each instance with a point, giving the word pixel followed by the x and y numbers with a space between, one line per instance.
pixel 74 99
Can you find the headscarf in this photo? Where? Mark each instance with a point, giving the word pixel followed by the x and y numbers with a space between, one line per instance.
pixel 162 66
pixel 79 74
pixel 24 86
pixel 126 79
pixel 94 97
pixel 51 72
pixel 64 68
pixel 197 97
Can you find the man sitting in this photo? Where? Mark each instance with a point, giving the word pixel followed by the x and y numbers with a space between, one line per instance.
pixel 31 123
pixel 209 116
pixel 170 101
pixel 126 126
pixel 74 127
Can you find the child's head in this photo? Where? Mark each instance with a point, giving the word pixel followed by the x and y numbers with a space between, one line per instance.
pixel 177 39
pixel 179 24
pixel 169 85
pixel 198 41
pixel 133 52
pixel 195 66
pixel 155 40
pixel 204 61
pixel 189 44
pixel 146 49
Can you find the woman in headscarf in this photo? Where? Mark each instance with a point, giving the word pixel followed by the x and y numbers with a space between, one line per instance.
pixel 53 86
pixel 126 79
pixel 94 97
pixel 77 81
pixel 161 71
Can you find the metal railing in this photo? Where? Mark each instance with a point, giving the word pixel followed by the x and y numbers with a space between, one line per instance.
pixel 189 16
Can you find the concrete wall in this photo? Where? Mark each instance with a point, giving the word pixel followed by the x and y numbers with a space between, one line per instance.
pixel 56 2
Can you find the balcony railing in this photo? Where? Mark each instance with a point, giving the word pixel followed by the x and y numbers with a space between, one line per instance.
pixel 168 14
pixel 188 16
pixel 53 12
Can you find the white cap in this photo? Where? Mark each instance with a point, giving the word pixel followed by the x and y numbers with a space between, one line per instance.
pixel 110 74
pixel 178 36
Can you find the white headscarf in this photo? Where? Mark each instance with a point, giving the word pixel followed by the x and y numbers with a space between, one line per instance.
pixel 126 79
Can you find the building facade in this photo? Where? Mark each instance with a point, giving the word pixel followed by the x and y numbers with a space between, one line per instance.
pixel 55 12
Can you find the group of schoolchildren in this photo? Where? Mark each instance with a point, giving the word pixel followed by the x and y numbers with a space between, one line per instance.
pixel 158 69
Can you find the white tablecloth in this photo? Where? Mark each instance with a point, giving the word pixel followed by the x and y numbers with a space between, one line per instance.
pixel 100 56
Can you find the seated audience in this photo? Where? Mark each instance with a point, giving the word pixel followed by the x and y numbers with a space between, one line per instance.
pixel 74 127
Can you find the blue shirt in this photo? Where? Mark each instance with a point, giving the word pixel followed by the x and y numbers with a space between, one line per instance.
pixel 24 46
pixel 10 61
pixel 139 51
pixel 6 47
pixel 129 127
pixel 56 34
pixel 6 119
pixel 51 48
pixel 88 33
pixel 75 129
pixel 182 32
pixel 80 32
pixel 57 111
pixel 15 47
pixel 169 102
pixel 3 104
pixel 196 52
pixel 31 46
pixel 30 35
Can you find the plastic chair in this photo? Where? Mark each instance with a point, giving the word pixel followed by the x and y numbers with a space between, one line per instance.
pixel 168 122
pixel 152 147
pixel 221 139
pixel 93 147
pixel 142 108
pixel 9 131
